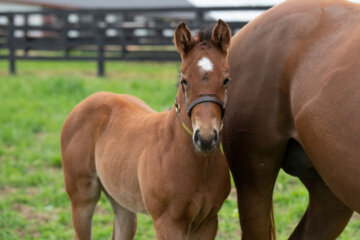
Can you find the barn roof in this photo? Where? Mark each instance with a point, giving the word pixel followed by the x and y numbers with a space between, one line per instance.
pixel 96 4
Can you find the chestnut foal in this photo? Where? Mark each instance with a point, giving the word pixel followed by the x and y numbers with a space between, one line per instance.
pixel 146 161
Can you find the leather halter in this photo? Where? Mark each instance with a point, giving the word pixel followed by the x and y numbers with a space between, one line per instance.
pixel 201 99
pixel 204 98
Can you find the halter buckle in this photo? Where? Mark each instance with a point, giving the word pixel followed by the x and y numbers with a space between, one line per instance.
pixel 177 108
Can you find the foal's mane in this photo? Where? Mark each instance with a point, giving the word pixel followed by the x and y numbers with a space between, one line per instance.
pixel 203 37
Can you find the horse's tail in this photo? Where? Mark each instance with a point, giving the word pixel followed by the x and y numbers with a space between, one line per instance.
pixel 272 223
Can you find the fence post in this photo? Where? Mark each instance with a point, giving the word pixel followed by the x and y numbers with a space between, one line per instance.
pixel 100 42
pixel 122 34
pixel 11 45
pixel 199 18
pixel 26 39
pixel 64 16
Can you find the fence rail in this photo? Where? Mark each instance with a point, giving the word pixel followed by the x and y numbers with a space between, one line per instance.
pixel 101 35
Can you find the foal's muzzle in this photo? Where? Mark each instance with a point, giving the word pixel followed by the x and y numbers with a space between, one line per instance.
pixel 206 142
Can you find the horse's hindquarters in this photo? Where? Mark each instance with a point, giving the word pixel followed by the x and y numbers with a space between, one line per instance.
pixel 95 145
pixel 329 130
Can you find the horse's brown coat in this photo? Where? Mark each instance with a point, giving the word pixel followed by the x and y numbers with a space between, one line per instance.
pixel 295 72
pixel 145 161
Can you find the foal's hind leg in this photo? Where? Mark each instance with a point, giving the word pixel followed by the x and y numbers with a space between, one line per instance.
pixel 125 221
pixel 207 231
pixel 84 193
pixel 83 188
pixel 325 217
pixel 167 228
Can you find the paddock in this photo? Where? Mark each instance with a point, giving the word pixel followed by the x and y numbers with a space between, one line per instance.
pixel 34 105
pixel 35 101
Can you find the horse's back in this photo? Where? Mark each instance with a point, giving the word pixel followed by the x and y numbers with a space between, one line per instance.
pixel 102 104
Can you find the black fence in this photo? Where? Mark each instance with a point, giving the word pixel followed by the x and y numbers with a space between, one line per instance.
pixel 101 35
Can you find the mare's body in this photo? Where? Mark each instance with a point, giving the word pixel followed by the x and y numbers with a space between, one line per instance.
pixel 145 161
pixel 296 88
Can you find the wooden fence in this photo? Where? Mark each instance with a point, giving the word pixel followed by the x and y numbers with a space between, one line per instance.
pixel 101 35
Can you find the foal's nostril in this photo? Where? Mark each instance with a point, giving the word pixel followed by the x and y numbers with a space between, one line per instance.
pixel 197 136
pixel 216 136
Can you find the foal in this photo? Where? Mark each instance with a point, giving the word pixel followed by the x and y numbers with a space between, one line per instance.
pixel 148 162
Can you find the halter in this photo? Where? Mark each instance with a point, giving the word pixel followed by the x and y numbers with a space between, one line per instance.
pixel 201 99
pixel 204 98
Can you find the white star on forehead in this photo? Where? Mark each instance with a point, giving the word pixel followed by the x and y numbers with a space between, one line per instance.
pixel 205 65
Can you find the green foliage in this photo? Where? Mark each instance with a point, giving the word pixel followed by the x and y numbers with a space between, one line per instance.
pixel 33 107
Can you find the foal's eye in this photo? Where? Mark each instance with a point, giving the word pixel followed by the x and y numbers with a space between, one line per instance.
pixel 226 81
pixel 184 82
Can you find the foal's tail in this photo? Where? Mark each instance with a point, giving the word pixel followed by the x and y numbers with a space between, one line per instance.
pixel 272 223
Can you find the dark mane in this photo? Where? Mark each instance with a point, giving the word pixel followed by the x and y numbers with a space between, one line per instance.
pixel 203 37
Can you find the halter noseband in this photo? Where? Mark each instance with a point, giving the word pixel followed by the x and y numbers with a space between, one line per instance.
pixel 204 98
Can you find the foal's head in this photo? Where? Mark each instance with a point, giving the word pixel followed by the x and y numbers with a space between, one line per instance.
pixel 204 79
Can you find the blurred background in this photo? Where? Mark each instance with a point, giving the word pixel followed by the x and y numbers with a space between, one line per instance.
pixel 55 53
pixel 108 30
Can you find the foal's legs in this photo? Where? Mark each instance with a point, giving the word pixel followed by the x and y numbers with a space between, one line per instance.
pixel 82 186
pixel 325 217
pixel 84 193
pixel 167 228
pixel 125 221
pixel 206 231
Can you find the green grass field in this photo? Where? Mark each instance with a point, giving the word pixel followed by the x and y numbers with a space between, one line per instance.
pixel 33 107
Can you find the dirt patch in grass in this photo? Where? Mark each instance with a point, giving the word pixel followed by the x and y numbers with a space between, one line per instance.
pixel 32 191
pixel 6 191
pixel 100 210
pixel 34 218
pixel 29 213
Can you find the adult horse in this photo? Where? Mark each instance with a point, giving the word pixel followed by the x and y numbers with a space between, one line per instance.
pixel 294 103
pixel 146 161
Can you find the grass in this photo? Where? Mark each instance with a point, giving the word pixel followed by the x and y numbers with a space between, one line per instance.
pixel 33 107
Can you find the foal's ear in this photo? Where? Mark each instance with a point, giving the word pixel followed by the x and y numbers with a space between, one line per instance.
pixel 221 35
pixel 183 38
